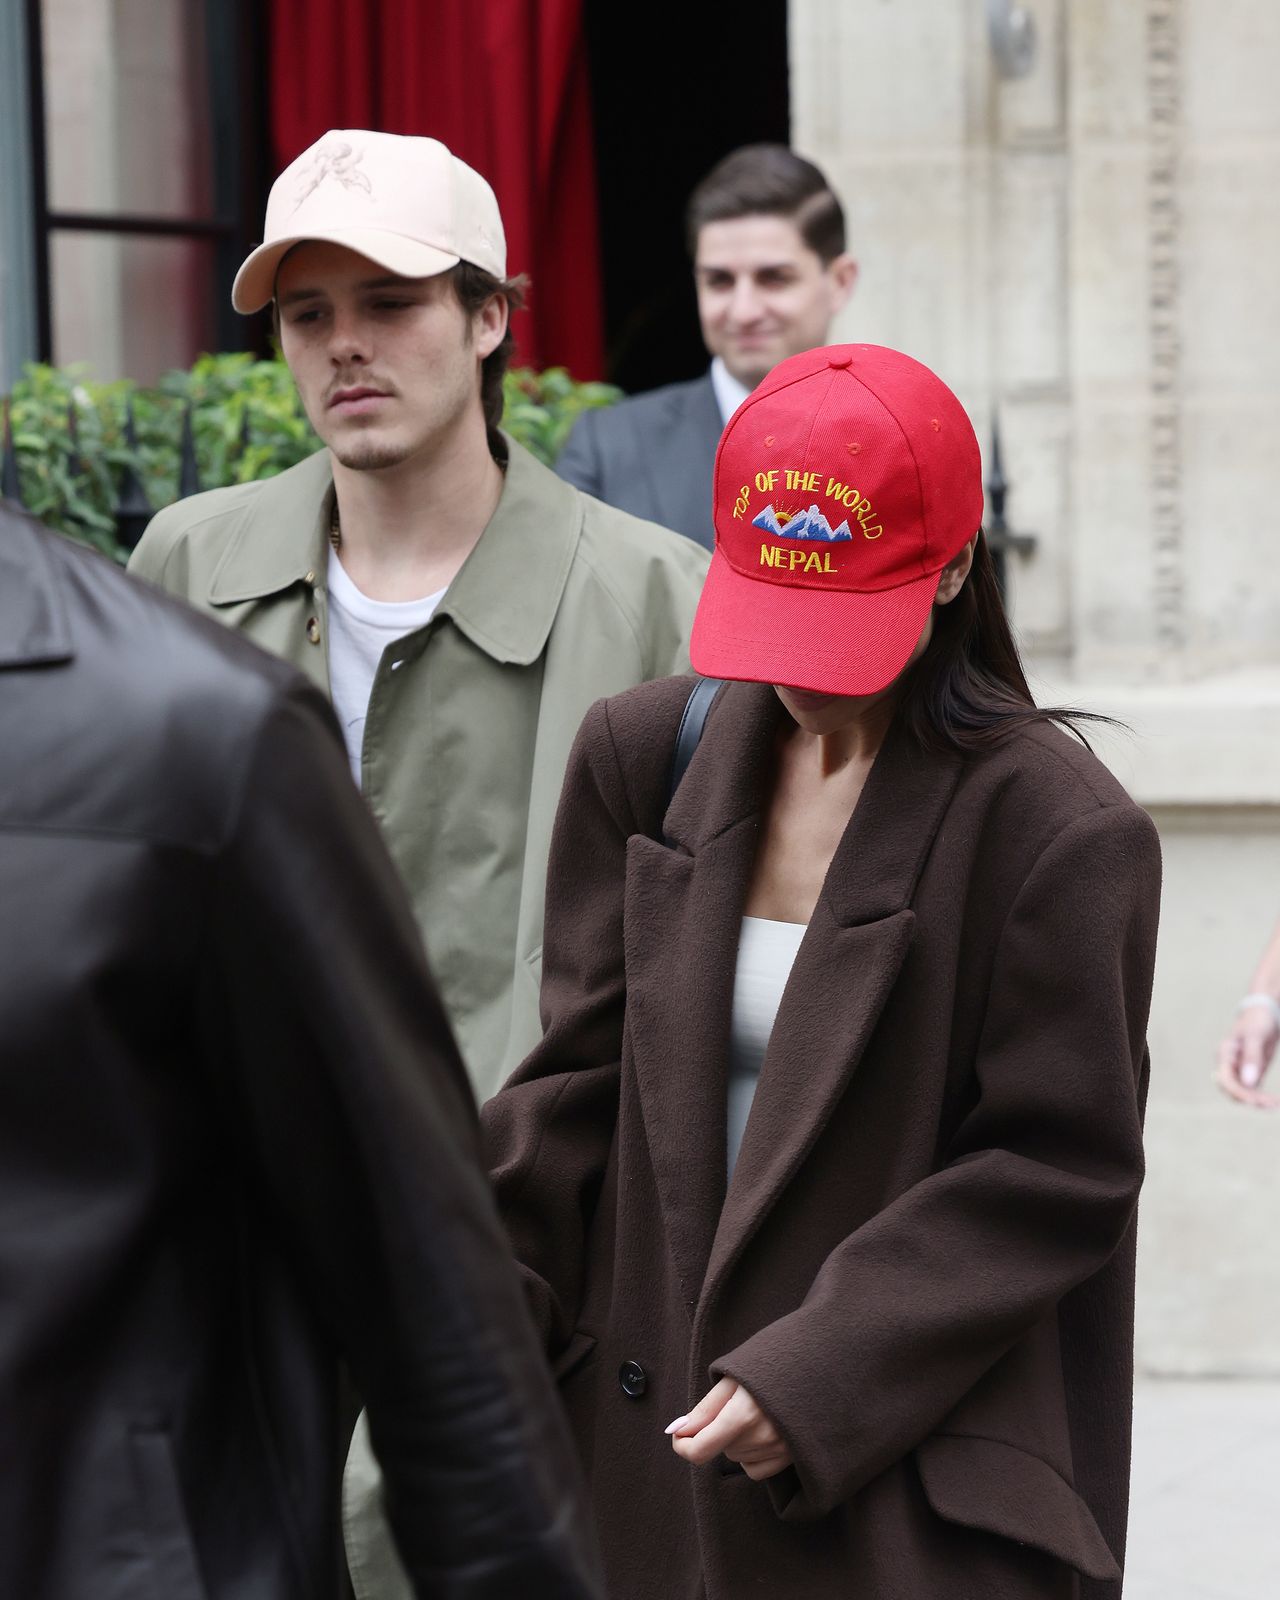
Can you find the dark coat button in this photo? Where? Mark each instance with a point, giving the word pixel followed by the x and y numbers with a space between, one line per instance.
pixel 633 1378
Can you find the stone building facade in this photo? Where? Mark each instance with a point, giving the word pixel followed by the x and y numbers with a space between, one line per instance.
pixel 1088 248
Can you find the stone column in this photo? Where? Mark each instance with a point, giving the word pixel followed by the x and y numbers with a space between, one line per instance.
pixel 955 182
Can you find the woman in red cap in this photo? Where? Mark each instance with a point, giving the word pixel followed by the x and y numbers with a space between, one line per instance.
pixel 832 1148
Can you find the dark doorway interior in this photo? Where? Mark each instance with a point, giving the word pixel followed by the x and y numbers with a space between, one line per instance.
pixel 674 87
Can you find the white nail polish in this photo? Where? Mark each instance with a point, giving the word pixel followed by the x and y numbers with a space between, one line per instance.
pixel 678 1423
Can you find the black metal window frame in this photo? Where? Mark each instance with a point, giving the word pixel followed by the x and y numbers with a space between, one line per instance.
pixel 238 143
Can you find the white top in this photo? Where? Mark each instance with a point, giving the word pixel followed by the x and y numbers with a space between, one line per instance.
pixel 766 954
pixel 729 392
pixel 360 630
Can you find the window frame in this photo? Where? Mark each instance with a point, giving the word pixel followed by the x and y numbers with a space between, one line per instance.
pixel 238 136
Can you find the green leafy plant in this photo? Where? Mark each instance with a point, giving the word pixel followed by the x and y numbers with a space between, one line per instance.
pixel 541 407
pixel 74 445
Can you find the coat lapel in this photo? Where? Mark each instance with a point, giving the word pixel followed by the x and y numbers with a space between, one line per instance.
pixel 845 970
pixel 683 917
pixel 281 537
pixel 683 911
pixel 680 468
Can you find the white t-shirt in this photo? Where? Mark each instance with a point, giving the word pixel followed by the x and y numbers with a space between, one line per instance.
pixel 766 954
pixel 360 630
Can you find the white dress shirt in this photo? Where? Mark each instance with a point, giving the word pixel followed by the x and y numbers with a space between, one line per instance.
pixel 729 392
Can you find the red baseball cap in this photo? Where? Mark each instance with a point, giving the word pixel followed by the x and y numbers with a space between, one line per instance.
pixel 843 485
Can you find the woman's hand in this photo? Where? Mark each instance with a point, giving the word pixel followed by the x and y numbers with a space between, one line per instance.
pixel 1245 1054
pixel 727 1421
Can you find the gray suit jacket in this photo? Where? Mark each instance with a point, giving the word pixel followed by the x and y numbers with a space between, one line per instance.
pixel 651 455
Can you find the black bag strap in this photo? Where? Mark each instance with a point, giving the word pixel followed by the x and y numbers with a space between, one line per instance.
pixel 693 721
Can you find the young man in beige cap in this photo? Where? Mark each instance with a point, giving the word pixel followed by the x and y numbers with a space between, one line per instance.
pixel 460 603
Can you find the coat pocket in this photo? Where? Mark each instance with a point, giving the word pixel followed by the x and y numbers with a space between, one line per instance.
pixel 997 1488
pixel 574 1355
pixel 164 1519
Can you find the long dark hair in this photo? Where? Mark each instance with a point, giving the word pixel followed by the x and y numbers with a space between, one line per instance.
pixel 968 690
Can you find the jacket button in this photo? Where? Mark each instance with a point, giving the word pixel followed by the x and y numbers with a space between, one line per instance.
pixel 633 1378
pixel 313 629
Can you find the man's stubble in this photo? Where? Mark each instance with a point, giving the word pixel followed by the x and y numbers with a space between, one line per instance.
pixel 371 455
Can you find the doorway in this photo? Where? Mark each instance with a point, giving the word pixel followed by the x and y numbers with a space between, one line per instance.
pixel 674 88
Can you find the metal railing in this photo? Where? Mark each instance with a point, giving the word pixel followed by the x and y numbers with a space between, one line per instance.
pixel 132 509
pixel 1000 537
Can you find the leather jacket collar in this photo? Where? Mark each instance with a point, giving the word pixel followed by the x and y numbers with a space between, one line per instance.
pixel 33 615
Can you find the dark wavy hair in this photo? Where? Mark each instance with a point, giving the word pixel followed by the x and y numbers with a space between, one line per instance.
pixel 968 691
pixel 474 288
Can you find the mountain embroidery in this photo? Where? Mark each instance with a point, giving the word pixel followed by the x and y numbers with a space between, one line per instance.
pixel 810 524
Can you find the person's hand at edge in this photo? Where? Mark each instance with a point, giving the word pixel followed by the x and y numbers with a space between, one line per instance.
pixel 1247 1050
pixel 727 1421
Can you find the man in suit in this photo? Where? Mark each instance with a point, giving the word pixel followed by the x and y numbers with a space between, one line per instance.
pixel 766 234
pixel 237 1146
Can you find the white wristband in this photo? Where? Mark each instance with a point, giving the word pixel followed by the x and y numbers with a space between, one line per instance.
pixel 1272 1005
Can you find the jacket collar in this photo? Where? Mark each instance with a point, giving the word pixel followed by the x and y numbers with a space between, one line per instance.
pixel 679 465
pixel 282 538
pixel 34 630
pixel 507 594
pixel 694 405
pixel 876 865
pixel 728 777
pixel 505 597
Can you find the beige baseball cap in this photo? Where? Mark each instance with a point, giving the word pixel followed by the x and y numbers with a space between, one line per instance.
pixel 406 203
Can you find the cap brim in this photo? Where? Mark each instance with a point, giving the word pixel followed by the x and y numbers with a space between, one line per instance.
pixel 255 284
pixel 830 642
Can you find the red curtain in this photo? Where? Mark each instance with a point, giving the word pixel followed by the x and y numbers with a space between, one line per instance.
pixel 504 84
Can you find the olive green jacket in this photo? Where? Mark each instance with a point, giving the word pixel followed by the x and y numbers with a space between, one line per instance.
pixel 471 717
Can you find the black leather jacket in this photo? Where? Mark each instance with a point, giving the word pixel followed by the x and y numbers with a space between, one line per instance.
pixel 236 1143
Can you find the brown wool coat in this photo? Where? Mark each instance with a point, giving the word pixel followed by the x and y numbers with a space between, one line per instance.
pixel 923 1268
